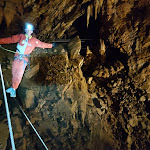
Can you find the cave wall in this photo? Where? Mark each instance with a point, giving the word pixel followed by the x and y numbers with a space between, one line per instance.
pixel 98 100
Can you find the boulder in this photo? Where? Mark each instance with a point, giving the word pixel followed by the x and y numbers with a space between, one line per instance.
pixel 29 99
pixel 34 70
pixel 4 133
pixel 74 47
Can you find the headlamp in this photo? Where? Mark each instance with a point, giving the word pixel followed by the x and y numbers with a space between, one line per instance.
pixel 29 26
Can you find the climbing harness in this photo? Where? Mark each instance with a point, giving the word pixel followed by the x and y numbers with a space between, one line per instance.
pixel 31 125
pixel 21 57
pixel 7 111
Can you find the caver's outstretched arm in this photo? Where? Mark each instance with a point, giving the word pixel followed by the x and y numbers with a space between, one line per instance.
pixel 9 40
pixel 42 44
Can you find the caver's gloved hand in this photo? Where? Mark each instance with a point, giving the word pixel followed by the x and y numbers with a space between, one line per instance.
pixel 54 45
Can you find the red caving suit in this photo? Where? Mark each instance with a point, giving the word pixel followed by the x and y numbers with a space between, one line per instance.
pixel 24 47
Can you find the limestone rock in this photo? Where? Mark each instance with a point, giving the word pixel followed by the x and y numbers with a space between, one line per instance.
pixel 74 46
pixel 17 130
pixel 90 80
pixel 106 73
pixel 9 12
pixel 1 102
pixel 29 99
pixel 133 121
pixel 142 98
pixel 78 61
pixel 34 70
pixel 4 135
pixel 75 125
pixel 146 42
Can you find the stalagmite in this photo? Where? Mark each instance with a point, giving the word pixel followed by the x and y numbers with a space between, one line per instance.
pixel 103 47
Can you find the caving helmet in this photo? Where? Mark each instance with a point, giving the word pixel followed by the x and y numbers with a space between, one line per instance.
pixel 29 26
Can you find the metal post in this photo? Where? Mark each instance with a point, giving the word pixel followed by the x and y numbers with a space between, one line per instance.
pixel 7 112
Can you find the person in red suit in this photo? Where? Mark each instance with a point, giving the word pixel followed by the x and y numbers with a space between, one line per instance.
pixel 26 44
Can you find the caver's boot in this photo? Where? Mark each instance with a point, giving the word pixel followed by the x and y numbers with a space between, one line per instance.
pixel 13 93
pixel 9 90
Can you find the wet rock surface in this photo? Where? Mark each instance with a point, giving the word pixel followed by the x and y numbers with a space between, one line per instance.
pixel 93 95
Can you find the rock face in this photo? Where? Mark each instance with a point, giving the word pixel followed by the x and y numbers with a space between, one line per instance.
pixel 94 98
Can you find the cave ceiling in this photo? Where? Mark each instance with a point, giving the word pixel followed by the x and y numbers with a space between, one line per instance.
pixel 120 22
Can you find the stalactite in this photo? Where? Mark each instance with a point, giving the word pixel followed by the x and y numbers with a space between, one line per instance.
pixel 99 7
pixel 109 9
pixel 9 13
pixel 96 4
pixel 103 47
pixel 91 13
pixel 88 14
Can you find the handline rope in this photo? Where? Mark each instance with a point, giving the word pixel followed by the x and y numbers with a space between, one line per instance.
pixel 7 49
pixel 7 112
pixel 32 125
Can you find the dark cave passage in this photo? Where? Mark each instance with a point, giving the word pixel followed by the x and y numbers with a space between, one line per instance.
pixel 90 33
pixel 113 54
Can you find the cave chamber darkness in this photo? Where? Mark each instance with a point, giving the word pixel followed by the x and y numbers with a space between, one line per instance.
pixel 91 34
pixel 97 30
